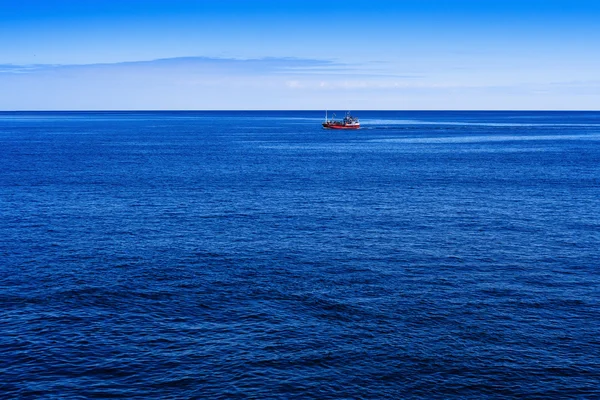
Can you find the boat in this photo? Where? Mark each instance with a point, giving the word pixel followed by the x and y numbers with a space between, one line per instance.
pixel 349 122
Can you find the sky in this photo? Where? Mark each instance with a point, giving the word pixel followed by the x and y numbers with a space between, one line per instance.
pixel 299 55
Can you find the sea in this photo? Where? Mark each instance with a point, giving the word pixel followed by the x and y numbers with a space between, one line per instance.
pixel 256 255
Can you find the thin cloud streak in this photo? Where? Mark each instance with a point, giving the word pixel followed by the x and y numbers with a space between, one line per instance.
pixel 264 65
pixel 221 66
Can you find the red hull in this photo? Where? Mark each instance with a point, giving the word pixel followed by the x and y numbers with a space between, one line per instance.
pixel 332 126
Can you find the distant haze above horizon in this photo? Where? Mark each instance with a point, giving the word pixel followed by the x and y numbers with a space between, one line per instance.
pixel 300 55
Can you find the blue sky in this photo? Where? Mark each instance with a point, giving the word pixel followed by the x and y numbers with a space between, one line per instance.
pixel 292 54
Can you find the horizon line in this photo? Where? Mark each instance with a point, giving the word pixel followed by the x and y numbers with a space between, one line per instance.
pixel 296 110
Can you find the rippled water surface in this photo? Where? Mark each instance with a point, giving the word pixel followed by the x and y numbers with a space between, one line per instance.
pixel 254 255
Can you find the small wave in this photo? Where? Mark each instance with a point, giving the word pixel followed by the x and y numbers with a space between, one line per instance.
pixel 488 138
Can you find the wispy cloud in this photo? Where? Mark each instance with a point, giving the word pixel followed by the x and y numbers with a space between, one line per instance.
pixel 24 69
pixel 259 65
pixel 270 66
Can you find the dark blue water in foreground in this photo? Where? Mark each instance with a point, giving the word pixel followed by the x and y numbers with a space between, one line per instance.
pixel 255 255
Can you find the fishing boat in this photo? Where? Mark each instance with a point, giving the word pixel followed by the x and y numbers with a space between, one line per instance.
pixel 349 122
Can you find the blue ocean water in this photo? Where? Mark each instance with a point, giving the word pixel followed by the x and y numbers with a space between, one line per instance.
pixel 255 255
